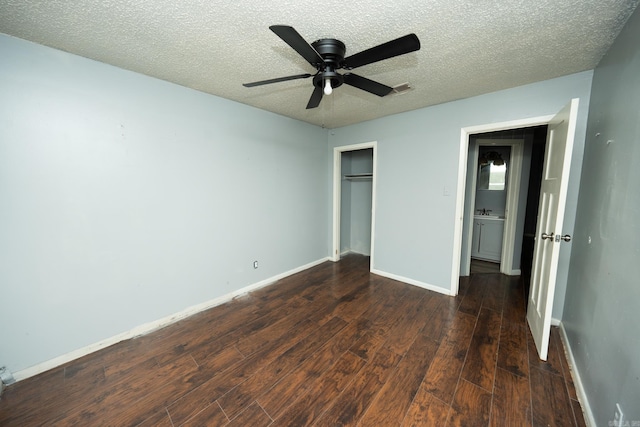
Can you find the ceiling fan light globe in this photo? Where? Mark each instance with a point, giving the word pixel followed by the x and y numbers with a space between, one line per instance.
pixel 328 90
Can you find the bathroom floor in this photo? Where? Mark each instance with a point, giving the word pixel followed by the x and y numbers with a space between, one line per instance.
pixel 479 266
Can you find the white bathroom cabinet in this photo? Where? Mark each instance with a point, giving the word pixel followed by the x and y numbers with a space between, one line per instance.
pixel 487 238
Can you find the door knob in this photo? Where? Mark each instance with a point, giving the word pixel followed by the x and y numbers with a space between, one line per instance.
pixel 566 238
pixel 546 236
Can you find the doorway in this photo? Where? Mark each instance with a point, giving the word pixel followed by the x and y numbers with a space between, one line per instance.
pixel 494 171
pixel 461 260
pixel 500 219
pixel 354 195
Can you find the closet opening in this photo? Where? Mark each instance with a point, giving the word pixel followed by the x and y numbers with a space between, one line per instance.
pixel 354 200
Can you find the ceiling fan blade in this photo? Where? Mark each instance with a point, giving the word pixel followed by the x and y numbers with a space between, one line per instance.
pixel 315 99
pixel 399 46
pixel 367 84
pixel 300 45
pixel 278 80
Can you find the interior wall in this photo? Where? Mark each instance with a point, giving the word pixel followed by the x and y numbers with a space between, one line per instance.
pixel 418 154
pixel 126 199
pixel 601 309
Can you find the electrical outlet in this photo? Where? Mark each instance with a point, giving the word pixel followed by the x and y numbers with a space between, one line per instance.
pixel 255 264
pixel 618 416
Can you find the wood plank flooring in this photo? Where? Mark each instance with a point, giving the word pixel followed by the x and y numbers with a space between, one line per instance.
pixel 333 345
pixel 481 266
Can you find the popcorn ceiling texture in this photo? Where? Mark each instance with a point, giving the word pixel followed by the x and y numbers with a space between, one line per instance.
pixel 468 47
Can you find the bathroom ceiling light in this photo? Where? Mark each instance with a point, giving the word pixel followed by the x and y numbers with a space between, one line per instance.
pixel 492 157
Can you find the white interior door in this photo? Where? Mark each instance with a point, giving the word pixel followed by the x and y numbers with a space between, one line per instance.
pixel 553 194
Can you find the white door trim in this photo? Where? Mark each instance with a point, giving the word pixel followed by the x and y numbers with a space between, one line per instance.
pixel 462 177
pixel 337 190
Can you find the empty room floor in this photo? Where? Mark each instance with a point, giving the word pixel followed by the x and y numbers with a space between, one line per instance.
pixel 333 345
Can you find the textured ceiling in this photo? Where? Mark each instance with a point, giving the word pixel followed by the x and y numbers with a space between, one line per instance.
pixel 469 47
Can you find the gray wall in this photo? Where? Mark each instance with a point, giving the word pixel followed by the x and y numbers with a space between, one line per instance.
pixel 603 291
pixel 418 154
pixel 126 199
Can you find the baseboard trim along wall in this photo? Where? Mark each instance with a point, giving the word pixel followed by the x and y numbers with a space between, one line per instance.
pixel 440 290
pixel 577 381
pixel 156 324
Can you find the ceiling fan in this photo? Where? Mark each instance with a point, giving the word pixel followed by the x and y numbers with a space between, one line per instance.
pixel 327 56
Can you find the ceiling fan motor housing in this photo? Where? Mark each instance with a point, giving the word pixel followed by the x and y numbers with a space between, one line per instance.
pixel 332 51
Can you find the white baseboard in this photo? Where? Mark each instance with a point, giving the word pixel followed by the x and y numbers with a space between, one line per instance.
pixel 555 322
pixel 156 324
pixel 577 381
pixel 412 282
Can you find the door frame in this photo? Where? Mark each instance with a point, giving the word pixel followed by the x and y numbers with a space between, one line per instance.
pixel 514 177
pixel 465 132
pixel 337 193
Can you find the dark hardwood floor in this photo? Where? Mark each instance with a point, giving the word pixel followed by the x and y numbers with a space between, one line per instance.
pixel 481 266
pixel 334 345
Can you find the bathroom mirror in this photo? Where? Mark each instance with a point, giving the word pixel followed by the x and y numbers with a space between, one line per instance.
pixel 492 176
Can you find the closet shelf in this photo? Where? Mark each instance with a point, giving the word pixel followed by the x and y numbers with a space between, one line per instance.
pixel 359 176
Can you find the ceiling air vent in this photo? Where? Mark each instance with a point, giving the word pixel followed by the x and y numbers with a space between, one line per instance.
pixel 401 88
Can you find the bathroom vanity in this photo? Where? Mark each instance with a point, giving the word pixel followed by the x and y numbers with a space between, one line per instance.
pixel 486 241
